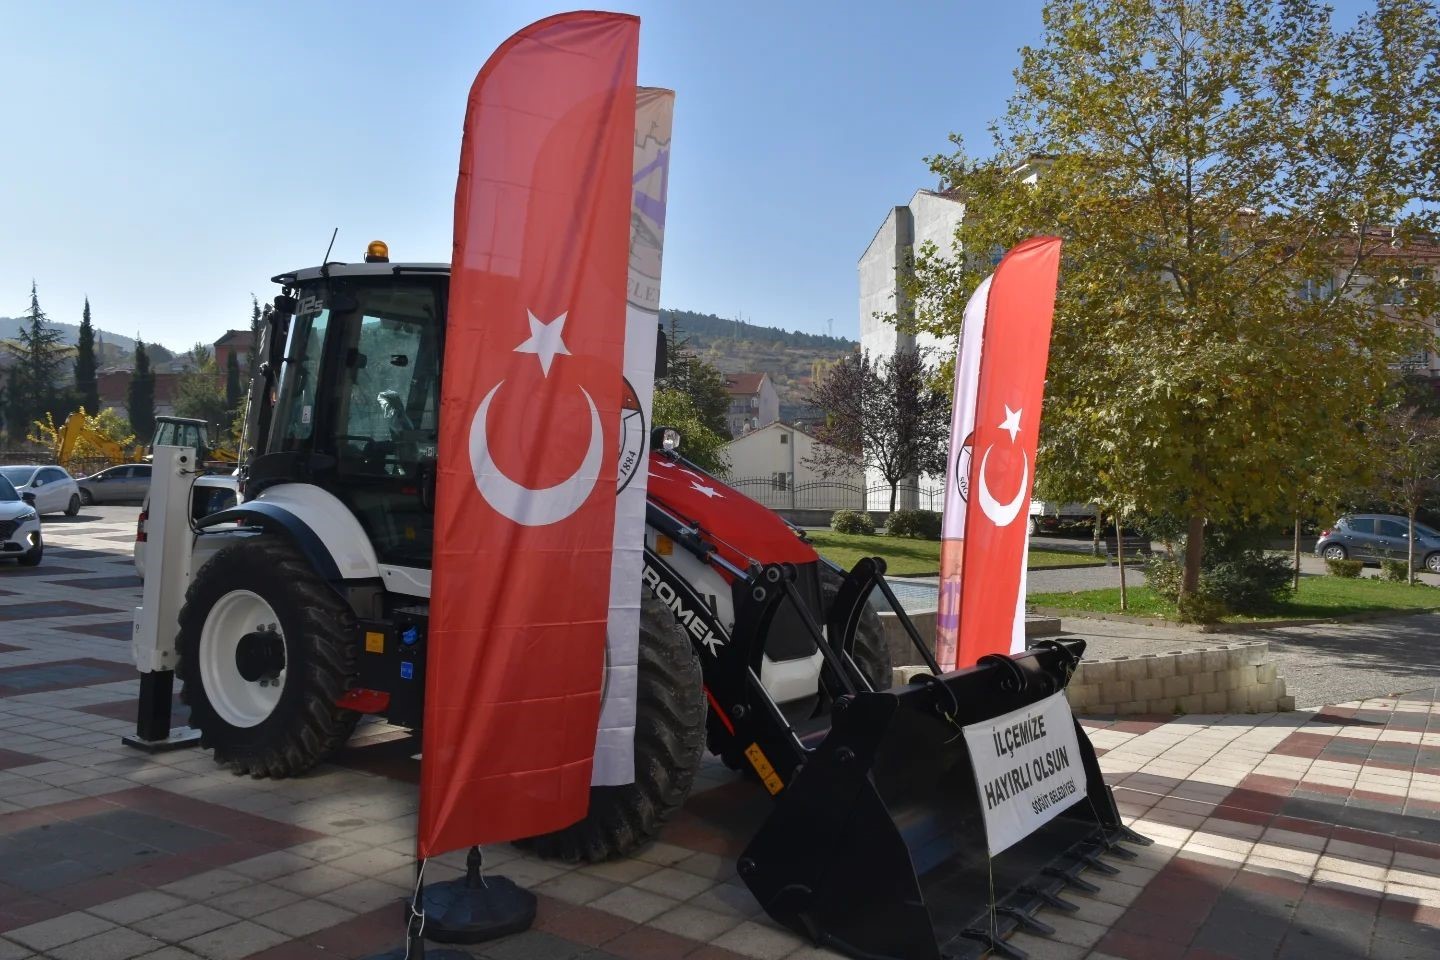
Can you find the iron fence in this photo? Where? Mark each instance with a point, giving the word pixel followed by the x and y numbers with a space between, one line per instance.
pixel 39 456
pixel 837 495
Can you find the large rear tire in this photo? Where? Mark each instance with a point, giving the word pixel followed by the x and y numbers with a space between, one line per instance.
pixel 669 740
pixel 872 648
pixel 266 647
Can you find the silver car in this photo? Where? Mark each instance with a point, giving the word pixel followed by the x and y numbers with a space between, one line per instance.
pixel 49 489
pixel 127 483
pixel 19 527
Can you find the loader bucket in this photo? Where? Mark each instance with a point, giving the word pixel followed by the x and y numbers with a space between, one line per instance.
pixel 878 847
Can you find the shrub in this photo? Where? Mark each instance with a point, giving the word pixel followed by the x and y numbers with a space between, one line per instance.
pixel 852 521
pixel 1252 583
pixel 1249 583
pixel 915 524
pixel 1162 574
pixel 1349 569
pixel 1199 608
pixel 1396 571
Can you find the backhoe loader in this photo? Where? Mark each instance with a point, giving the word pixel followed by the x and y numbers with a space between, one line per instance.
pixel 307 607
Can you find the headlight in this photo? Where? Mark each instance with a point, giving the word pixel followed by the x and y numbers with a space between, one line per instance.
pixel 28 516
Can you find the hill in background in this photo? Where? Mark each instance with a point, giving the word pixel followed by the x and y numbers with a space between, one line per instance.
pixel 117 349
pixel 734 346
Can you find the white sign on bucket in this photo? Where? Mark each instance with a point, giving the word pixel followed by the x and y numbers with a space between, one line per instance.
pixel 1027 769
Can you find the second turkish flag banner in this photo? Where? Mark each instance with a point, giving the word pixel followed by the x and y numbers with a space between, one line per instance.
pixel 530 410
pixel 999 389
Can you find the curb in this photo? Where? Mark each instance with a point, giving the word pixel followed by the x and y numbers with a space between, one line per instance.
pixel 1233 627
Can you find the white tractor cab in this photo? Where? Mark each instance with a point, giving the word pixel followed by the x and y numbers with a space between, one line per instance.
pixel 331 541
pixel 306 605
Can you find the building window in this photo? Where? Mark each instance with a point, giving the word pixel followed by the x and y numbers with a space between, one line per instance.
pixel 1317 289
pixel 780 481
pixel 784 438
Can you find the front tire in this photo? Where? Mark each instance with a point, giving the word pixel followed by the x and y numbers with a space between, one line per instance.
pixel 266 647
pixel 87 498
pixel 1432 563
pixel 1334 552
pixel 872 647
pixel 669 740
pixel 73 507
pixel 31 557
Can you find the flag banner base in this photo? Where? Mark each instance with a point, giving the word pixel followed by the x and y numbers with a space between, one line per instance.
pixel 473 909
pixel 417 951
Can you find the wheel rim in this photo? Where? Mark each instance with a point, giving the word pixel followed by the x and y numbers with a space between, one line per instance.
pixel 242 658
pixel 1334 553
pixel 1433 564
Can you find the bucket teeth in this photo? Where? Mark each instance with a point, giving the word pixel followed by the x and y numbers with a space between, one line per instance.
pixel 1071 880
pixel 997 946
pixel 1095 863
pixel 1115 850
pixel 1050 899
pixel 1026 922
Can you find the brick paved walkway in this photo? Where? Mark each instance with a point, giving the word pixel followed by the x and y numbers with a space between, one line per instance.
pixel 1305 835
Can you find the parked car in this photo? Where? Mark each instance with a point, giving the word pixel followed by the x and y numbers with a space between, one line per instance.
pixel 210 493
pixel 1377 536
pixel 127 483
pixel 51 489
pixel 19 527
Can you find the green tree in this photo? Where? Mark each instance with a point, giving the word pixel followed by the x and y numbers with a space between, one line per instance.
pixel 1407 465
pixel 701 382
pixel 86 384
pixel 142 395
pixel 886 414
pixel 14 406
pixel 258 318
pixel 200 390
pixel 1240 186
pixel 38 353
pixel 698 442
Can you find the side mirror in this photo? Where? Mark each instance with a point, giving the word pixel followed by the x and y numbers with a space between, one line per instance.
pixel 28 498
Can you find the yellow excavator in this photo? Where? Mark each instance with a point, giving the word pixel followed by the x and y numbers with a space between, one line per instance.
pixel 172 431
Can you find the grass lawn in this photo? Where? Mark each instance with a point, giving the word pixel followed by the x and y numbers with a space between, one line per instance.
pixel 1317 597
pixel 904 556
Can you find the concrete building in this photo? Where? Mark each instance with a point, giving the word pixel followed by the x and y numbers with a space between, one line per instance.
pixel 753 402
pixel 775 465
pixel 928 217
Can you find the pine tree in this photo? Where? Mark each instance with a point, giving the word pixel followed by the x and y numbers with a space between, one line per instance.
pixel 259 317
pixel 38 354
pixel 232 383
pixel 142 395
pixel 14 406
pixel 85 365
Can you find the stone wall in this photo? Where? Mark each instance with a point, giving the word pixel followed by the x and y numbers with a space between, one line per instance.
pixel 1227 678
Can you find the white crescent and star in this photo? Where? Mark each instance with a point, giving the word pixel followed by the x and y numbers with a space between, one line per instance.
pixel 1004 514
pixel 530 506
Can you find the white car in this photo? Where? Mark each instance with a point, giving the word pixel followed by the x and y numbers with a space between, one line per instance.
pixel 54 490
pixel 19 527
pixel 210 493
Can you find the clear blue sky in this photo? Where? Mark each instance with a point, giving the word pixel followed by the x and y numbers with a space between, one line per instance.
pixel 168 158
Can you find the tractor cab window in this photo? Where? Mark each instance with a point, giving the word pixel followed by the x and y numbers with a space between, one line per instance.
pixel 296 407
pixel 387 413
pixel 389 400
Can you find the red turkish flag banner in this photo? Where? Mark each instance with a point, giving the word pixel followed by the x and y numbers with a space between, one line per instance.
pixel 1018 316
pixel 529 420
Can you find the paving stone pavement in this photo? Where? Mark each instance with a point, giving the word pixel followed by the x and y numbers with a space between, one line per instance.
pixel 1309 835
